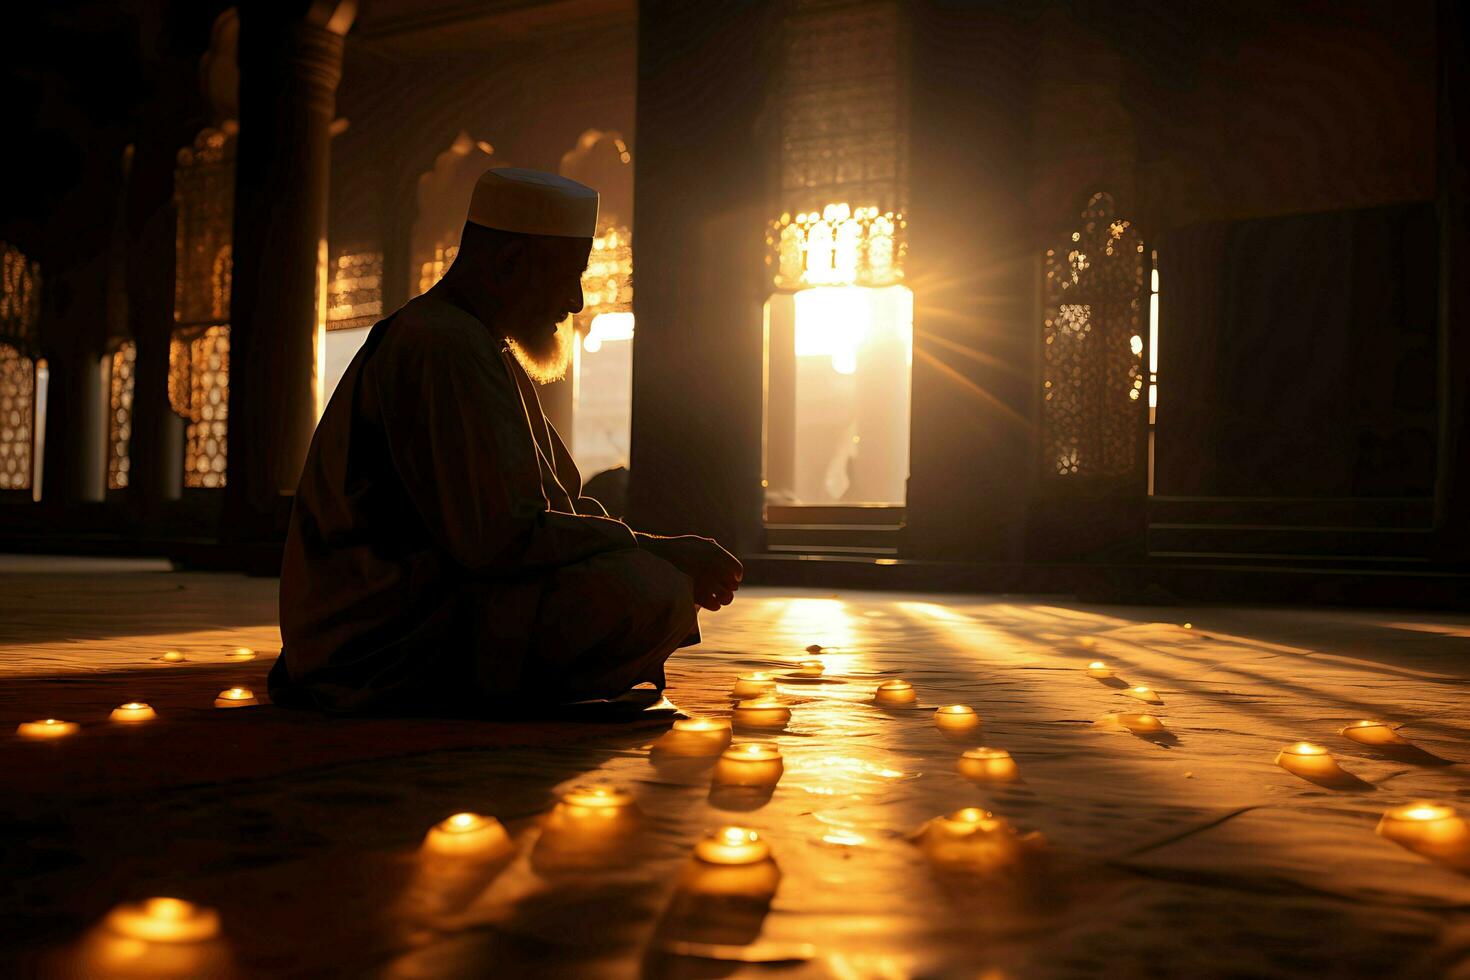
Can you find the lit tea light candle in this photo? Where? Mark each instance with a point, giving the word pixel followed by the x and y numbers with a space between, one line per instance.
pixel 750 764
pixel 976 839
pixel 1099 669
pixel 1373 733
pixel 695 737
pixel 895 694
pixel 133 711
pixel 241 653
pixel 987 765
pixel 732 845
pixel 164 920
pixel 173 657
pixel 956 718
pixel 46 728
pixel 1431 829
pixel 236 697
pixel 766 712
pixel 1310 761
pixel 600 798
pixel 468 835
pixel 1143 693
pixel 1189 626
pixel 810 668
pixel 1138 724
pixel 754 685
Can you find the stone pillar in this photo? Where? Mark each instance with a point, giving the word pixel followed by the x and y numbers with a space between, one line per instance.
pixel 1452 489
pixel 290 64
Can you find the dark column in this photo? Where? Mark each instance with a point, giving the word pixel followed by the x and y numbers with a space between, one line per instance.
pixel 1452 497
pixel 290 63
pixel 972 269
pixel 700 211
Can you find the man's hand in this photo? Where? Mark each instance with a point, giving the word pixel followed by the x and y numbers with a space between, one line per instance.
pixel 716 572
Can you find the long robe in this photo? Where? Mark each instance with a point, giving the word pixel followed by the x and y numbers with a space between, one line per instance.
pixel 440 551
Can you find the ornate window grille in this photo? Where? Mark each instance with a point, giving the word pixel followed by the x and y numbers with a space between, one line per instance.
pixel 355 294
pixel 844 148
pixel 199 366
pixel 1093 380
pixel 120 415
pixel 20 310
pixel 607 285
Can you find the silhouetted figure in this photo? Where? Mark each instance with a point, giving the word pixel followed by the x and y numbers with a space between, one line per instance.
pixel 440 551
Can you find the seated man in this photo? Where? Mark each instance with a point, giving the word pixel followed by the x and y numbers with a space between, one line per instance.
pixel 440 553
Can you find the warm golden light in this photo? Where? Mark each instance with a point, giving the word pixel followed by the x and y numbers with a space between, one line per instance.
pixel 173 657
pixel 1143 693
pixel 732 845
pixel 1099 669
pixel 976 840
pixel 811 668
pixel 695 737
pixel 133 711
pixel 46 728
pixel 1310 761
pixel 1139 724
pixel 598 796
pixel 468 835
pixel 164 920
pixel 754 685
pixel 988 765
pixel 1369 732
pixel 236 697
pixel 750 764
pixel 763 712
pixel 895 694
pixel 956 718
pixel 1431 829
pixel 241 653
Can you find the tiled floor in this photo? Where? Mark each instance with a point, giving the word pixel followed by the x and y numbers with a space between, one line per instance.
pixel 1188 854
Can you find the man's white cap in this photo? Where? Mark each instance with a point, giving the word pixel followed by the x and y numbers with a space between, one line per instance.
pixel 530 202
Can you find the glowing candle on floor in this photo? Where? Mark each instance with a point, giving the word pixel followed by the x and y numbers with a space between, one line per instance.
pixel 975 839
pixel 468 835
pixel 754 685
pixel 895 694
pixel 595 811
pixel 1309 760
pixel 133 711
pixel 695 737
pixel 173 657
pixel 810 668
pixel 1189 626
pixel 1431 829
pixel 46 728
pixel 766 712
pixel 987 765
pixel 1143 693
pixel 1139 724
pixel 164 920
pixel 956 718
pixel 1099 669
pixel 732 845
pixel 241 653
pixel 750 764
pixel 1373 733
pixel 236 697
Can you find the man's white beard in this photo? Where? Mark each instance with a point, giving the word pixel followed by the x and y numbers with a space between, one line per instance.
pixel 547 359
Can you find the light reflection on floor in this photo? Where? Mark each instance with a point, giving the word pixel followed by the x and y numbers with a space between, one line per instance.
pixel 1161 852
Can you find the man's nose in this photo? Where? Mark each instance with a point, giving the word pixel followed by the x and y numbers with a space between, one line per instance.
pixel 577 301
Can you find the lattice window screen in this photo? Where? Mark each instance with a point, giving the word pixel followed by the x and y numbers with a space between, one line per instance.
pixel 1093 381
pixel 120 415
pixel 199 376
pixel 355 295
pixel 20 311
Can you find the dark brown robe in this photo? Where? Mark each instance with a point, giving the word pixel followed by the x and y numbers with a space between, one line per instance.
pixel 440 551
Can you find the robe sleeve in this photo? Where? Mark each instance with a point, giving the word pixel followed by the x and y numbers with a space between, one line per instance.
pixel 459 440
pixel 571 477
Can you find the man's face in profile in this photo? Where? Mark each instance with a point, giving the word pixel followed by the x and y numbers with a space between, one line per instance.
pixel 541 288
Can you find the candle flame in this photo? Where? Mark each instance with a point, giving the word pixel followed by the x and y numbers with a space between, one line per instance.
pixel 1305 748
pixel 894 686
pixel 1424 811
pixel 1097 665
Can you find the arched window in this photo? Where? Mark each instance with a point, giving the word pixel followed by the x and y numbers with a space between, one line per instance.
pixel 1093 380
pixel 199 349
pixel 443 195
pixel 22 375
